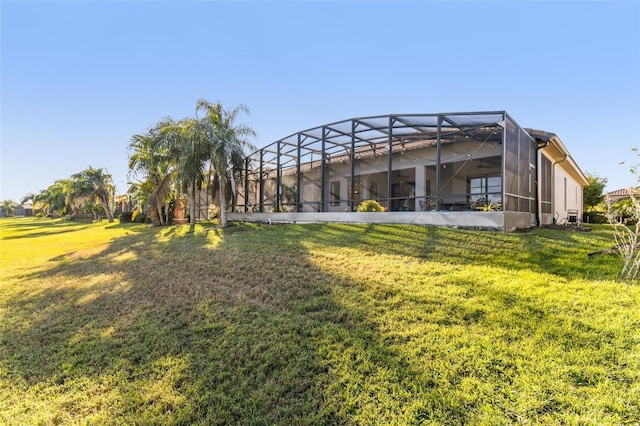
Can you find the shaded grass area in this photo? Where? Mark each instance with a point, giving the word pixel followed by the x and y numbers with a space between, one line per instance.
pixel 313 324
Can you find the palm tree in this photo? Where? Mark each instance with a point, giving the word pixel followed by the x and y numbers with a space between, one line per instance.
pixel 28 197
pixel 40 201
pixel 56 199
pixel 154 157
pixel 187 140
pixel 227 142
pixel 97 184
pixel 7 207
pixel 142 164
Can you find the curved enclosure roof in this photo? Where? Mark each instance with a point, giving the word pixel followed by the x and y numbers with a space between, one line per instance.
pixel 366 136
pixel 374 133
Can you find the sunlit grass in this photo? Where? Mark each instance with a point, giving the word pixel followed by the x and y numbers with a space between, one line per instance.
pixel 313 324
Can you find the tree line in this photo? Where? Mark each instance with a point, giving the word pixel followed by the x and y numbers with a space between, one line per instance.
pixel 171 160
pixel 88 191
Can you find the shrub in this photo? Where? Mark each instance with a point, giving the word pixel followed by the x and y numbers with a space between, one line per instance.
pixel 370 206
pixel 595 217
pixel 126 217
pixel 626 228
pixel 141 218
pixel 491 207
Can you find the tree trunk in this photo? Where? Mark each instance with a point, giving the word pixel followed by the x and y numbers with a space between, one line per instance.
pixel 192 207
pixel 210 187
pixel 107 210
pixel 222 182
pixel 160 215
pixel 166 214
pixel 233 190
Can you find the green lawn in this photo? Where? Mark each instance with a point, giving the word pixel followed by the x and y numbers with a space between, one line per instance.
pixel 313 324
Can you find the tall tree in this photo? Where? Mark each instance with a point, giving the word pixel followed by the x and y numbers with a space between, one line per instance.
pixel 593 192
pixel 187 138
pixel 29 196
pixel 227 141
pixel 7 207
pixel 56 199
pixel 153 159
pixel 41 201
pixel 97 184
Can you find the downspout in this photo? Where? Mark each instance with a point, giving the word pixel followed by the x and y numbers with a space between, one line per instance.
pixel 553 180
pixel 540 144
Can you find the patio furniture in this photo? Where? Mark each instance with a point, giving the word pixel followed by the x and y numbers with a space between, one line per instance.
pixel 428 205
pixel 572 218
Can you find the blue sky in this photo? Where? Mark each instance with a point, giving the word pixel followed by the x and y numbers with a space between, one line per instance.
pixel 78 79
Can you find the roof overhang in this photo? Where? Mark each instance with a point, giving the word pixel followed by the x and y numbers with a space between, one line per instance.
pixel 558 153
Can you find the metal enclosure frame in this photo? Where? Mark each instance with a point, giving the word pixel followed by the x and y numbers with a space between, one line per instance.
pixel 450 160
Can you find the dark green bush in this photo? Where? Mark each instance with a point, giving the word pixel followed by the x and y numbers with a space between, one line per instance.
pixel 595 217
pixel 125 217
pixel 140 218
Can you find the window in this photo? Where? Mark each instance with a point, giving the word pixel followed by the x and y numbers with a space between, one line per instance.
pixel 486 188
pixel 373 190
pixel 335 193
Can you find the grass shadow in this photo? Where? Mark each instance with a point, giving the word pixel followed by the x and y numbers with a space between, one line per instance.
pixel 161 306
pixel 25 228
pixel 243 326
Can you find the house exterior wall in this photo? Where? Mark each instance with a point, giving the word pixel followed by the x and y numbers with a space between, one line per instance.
pixel 567 183
pixel 567 194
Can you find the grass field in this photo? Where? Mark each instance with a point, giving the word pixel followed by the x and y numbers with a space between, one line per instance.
pixel 313 324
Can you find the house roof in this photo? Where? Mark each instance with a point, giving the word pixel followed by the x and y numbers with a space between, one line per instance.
pixel 559 153
pixel 619 194
pixel 375 133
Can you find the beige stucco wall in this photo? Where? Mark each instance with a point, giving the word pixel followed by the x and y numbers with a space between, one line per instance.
pixel 567 193
pixel 373 170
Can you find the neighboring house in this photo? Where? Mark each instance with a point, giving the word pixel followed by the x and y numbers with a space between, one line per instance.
pixel 18 211
pixel 28 208
pixel 122 204
pixel 473 169
pixel 619 194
